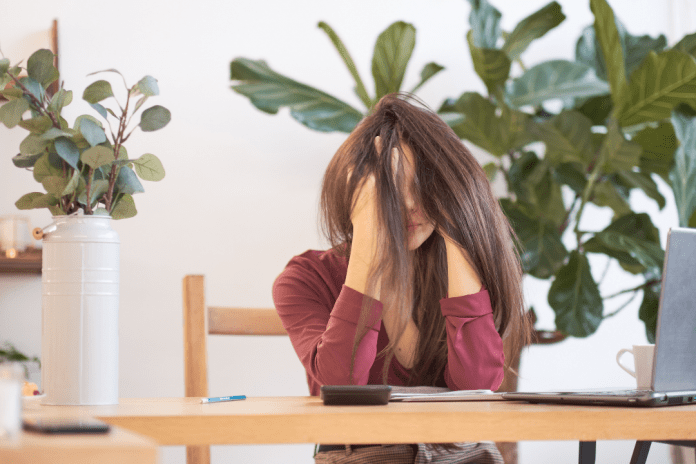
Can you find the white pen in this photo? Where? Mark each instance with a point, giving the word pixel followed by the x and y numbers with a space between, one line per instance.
pixel 219 399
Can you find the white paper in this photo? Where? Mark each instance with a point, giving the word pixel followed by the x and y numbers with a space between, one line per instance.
pixel 432 394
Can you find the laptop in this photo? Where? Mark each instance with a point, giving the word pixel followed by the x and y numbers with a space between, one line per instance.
pixel 674 362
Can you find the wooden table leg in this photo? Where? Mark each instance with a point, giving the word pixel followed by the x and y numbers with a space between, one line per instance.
pixel 640 452
pixel 588 452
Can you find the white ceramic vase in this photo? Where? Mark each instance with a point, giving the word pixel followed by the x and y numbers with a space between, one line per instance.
pixel 80 292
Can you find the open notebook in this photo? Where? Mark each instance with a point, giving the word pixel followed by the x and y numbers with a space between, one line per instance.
pixel 674 362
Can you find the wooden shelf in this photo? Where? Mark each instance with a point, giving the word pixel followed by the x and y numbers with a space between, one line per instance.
pixel 27 262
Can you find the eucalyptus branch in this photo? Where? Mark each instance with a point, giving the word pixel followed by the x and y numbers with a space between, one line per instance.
pixel 88 202
pixel 38 105
pixel 117 147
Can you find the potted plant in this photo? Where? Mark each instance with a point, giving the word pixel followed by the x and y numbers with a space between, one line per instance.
pixel 88 180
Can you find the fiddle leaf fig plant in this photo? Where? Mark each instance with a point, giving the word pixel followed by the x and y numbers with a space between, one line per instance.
pixel 563 135
pixel 85 167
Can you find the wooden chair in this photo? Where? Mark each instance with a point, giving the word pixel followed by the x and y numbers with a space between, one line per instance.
pixel 199 321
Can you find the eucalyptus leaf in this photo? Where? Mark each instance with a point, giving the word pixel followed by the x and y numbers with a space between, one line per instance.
pixel 127 182
pixel 484 19
pixel 72 183
pixel 33 145
pixel 492 66
pixel 574 297
pixel 270 91
pixel 43 168
pixel 148 86
pixel 430 70
pixel 360 90
pixel 154 118
pixel 496 132
pixel 60 100
pixel 657 86
pixel 68 151
pixel 97 190
pixel 124 208
pixel 97 156
pixel 97 91
pixel 37 125
pixel 4 65
pixel 392 53
pixel 568 138
pixel 12 93
pixel 26 161
pixel 149 167
pixel 532 27
pixel 36 200
pixel 34 87
pixel 40 67
pixel 54 185
pixel 99 109
pixel 138 104
pixel 683 174
pixel 92 131
pixel 554 79
pixel 12 111
pixel 54 133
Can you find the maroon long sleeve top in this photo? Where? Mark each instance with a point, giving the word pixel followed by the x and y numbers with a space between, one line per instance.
pixel 321 316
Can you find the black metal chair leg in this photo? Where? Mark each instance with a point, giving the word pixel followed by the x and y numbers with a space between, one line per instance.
pixel 588 452
pixel 640 452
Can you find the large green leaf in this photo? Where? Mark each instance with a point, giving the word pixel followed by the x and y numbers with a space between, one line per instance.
pixel 635 49
pixel 541 250
pixel 36 200
pixel 633 240
pixel 612 50
pixel 597 109
pixel 360 90
pixel 648 310
pixel 496 132
pixel 555 79
pixel 568 138
pixel 44 168
pixel 33 144
pixel 392 53
pixel 98 156
pixel 571 174
pixel 617 153
pixel 67 150
pixel 605 193
pixel 687 44
pixel 148 86
pixel 127 182
pixel 91 130
pixel 429 70
pixel 484 20
pixel 532 27
pixel 643 181
pixel 659 145
pixel 534 184
pixel 574 297
pixel 124 208
pixel 149 167
pixel 683 174
pixel 492 66
pixel 270 91
pixel 663 81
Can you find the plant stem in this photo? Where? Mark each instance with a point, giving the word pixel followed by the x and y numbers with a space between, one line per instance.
pixel 615 312
pixel 117 147
pixel 38 105
pixel 642 286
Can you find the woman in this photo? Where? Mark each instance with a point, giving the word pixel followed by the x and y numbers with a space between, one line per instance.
pixel 422 279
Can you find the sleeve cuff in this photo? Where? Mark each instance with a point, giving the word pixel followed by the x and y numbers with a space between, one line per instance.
pixel 349 304
pixel 474 305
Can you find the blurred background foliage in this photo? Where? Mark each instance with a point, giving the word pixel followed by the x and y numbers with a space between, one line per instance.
pixel 563 134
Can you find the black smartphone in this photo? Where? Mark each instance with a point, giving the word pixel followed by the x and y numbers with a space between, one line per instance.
pixel 355 394
pixel 64 425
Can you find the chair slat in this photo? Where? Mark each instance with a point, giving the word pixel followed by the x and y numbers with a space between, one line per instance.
pixel 244 321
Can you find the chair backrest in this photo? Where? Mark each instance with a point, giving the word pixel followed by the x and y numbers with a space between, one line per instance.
pixel 199 321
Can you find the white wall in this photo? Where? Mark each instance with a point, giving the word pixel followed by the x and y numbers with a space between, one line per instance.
pixel 240 196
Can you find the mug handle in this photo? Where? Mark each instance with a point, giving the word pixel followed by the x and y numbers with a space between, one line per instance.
pixel 618 361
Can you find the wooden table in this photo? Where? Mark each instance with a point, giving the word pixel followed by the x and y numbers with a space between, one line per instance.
pixel 185 421
pixel 119 446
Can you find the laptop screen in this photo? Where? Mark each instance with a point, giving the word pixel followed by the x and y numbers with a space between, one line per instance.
pixel 674 367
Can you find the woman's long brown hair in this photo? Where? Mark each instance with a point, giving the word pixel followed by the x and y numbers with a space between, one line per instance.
pixel 452 191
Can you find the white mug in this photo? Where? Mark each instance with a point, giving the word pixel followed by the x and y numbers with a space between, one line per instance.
pixel 643 362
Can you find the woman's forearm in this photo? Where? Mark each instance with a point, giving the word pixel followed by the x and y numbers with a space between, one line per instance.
pixel 462 278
